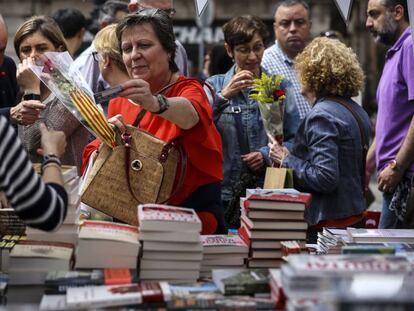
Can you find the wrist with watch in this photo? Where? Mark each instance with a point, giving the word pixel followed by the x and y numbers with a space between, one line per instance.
pixel 31 96
pixel 162 103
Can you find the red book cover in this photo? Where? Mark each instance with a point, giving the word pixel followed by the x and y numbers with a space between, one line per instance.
pixel 114 276
pixel 244 235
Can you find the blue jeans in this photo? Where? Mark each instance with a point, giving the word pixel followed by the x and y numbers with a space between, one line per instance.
pixel 388 218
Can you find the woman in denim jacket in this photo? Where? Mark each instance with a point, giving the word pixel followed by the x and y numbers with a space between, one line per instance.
pixel 327 156
pixel 237 117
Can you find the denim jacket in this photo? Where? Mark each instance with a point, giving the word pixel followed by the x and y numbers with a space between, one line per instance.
pixel 327 160
pixel 254 131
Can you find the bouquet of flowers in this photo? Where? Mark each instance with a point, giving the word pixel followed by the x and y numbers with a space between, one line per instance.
pixel 270 96
pixel 57 72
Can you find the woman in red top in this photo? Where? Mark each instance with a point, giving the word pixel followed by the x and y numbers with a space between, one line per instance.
pixel 146 41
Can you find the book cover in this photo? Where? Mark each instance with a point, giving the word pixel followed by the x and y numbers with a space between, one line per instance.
pixel 381 235
pixel 241 282
pixel 274 224
pixel 271 234
pixel 167 218
pixel 278 195
pixel 223 244
pixel 103 296
pixel 105 230
pixel 10 223
pixel 308 264
pixel 42 249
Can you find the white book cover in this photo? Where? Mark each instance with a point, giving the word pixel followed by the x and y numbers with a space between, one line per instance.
pixel 53 303
pixel 42 249
pixel 222 240
pixel 105 230
pixel 381 235
pixel 103 296
pixel 167 218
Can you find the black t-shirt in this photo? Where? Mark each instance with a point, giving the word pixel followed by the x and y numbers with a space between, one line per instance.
pixel 8 84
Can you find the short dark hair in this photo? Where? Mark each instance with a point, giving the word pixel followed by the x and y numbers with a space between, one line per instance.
pixel 241 29
pixel 108 11
pixel 390 4
pixel 70 21
pixel 289 3
pixel 162 25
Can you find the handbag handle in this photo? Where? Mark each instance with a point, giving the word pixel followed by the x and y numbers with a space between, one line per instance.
pixel 126 138
pixel 364 141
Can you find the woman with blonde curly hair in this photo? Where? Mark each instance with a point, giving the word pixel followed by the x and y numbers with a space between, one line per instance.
pixel 328 155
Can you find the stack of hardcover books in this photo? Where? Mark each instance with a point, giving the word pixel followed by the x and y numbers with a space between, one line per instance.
pixel 68 231
pixel 104 244
pixel 171 245
pixel 269 217
pixel 222 252
pixel 30 261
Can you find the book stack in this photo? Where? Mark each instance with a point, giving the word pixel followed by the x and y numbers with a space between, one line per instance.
pixel 68 231
pixel 104 244
pixel 269 217
pixel 222 252
pixel 331 241
pixel 30 261
pixel 172 249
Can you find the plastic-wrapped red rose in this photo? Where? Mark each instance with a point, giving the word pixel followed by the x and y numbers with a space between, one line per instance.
pixel 278 93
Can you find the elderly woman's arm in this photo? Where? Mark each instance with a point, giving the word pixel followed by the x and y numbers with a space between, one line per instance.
pixel 39 204
pixel 179 110
pixel 320 172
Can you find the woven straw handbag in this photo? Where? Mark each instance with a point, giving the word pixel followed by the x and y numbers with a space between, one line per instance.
pixel 140 170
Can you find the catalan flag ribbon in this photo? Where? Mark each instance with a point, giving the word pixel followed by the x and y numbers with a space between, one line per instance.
pixel 57 72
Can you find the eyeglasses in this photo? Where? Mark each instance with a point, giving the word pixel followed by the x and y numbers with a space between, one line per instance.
pixel 97 57
pixel 152 11
pixel 245 50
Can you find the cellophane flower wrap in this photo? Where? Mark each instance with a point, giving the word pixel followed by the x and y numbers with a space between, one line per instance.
pixel 269 95
pixel 57 72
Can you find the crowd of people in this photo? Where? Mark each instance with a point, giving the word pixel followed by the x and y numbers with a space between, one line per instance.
pixel 326 133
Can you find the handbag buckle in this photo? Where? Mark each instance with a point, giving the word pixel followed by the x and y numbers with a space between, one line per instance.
pixel 136 165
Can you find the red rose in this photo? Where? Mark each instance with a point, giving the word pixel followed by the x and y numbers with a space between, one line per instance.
pixel 278 93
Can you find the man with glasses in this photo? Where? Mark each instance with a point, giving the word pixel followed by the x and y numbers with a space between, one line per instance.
pixel 392 151
pixel 167 6
pixel 292 31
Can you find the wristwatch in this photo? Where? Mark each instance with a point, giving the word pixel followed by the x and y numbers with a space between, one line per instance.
pixel 31 96
pixel 394 166
pixel 163 103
